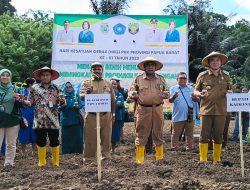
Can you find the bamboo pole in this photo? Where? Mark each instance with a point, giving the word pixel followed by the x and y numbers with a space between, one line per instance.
pixel 98 153
pixel 241 147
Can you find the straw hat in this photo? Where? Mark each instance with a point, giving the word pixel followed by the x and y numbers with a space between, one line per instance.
pixel 222 57
pixel 37 73
pixel 158 64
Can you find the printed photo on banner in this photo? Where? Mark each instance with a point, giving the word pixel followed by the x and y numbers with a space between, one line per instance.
pixel 153 34
pixel 172 34
pixel 86 35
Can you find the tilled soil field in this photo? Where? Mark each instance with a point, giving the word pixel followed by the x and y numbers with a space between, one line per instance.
pixel 179 170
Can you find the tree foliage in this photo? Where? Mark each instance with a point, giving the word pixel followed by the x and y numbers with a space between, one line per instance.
pixel 207 32
pixel 109 6
pixel 25 44
pixel 6 6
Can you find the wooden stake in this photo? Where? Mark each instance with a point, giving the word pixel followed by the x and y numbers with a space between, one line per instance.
pixel 98 151
pixel 241 147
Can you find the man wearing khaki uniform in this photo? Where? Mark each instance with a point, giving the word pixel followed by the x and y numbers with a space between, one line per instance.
pixel 97 85
pixel 212 86
pixel 149 90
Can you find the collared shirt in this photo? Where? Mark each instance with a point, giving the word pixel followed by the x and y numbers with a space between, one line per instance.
pixel 153 35
pixel 86 37
pixel 101 86
pixel 216 101
pixel 172 36
pixel 65 36
pixel 180 107
pixel 51 101
pixel 149 90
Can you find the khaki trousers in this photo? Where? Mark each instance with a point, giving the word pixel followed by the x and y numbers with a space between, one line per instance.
pixel 90 139
pixel 149 119
pixel 11 137
pixel 177 129
pixel 212 126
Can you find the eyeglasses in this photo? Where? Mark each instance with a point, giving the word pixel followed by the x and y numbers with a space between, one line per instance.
pixel 182 78
pixel 68 86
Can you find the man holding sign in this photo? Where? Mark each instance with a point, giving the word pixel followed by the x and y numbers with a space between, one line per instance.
pixel 97 85
pixel 212 86
pixel 148 91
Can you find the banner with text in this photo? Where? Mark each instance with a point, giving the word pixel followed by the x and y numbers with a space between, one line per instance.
pixel 238 102
pixel 119 42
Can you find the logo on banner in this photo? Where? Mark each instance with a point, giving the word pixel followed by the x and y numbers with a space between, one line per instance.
pixel 104 28
pixel 119 29
pixel 133 28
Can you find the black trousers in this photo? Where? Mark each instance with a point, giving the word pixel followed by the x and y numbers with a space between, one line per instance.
pixel 41 137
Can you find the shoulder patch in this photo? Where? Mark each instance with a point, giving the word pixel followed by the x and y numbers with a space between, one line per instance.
pixel 203 73
pixel 139 75
pixel 86 82
pixel 107 82
pixel 160 76
pixel 226 73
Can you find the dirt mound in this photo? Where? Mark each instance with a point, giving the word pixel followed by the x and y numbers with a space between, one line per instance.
pixel 179 170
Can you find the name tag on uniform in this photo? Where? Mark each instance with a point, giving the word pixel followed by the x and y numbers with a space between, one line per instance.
pixel 50 104
pixel 2 108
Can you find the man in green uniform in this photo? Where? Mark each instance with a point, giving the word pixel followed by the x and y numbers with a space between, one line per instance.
pixel 212 86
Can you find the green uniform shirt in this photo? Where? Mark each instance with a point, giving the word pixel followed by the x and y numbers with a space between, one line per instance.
pixel 216 101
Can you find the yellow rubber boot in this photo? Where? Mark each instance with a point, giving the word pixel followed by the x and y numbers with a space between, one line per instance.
pixel 159 152
pixel 203 151
pixel 41 156
pixel 217 152
pixel 55 155
pixel 140 154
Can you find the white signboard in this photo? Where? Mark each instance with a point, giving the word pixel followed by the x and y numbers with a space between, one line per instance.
pixel 97 103
pixel 238 102
pixel 119 42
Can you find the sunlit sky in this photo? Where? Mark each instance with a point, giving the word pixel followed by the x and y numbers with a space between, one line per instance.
pixel 137 7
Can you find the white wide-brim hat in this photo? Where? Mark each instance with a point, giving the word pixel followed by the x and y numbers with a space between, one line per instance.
pixel 222 57
pixel 158 64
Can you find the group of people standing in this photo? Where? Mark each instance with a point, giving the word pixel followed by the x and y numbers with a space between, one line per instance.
pixel 49 110
pixel 148 90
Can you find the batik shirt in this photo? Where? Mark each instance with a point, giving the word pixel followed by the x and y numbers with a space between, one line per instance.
pixel 51 101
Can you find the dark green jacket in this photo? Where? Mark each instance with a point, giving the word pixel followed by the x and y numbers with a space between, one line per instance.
pixel 10 120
